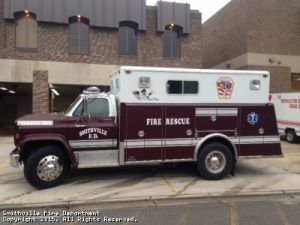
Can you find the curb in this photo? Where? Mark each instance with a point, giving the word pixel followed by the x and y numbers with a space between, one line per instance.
pixel 149 200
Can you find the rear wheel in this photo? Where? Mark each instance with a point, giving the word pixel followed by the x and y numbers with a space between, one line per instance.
pixel 215 161
pixel 291 136
pixel 46 167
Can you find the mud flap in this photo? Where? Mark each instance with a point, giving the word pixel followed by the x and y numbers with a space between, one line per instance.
pixel 232 172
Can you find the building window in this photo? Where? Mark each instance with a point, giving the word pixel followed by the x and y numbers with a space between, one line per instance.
pixel 127 38
pixel 295 84
pixel 182 87
pixel 79 35
pixel 171 42
pixel 26 30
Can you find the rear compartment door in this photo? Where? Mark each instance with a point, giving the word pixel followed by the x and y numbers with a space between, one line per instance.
pixel 179 132
pixel 258 135
pixel 252 129
pixel 143 139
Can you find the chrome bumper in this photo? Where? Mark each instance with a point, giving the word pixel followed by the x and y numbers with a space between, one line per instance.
pixel 14 159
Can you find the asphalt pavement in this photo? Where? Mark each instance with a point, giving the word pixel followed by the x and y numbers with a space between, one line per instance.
pixel 254 177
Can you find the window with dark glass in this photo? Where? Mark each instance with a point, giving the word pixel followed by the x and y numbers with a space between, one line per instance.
pixel 26 30
pixel 79 35
pixel 127 38
pixel 174 87
pixel 171 42
pixel 190 87
pixel 182 87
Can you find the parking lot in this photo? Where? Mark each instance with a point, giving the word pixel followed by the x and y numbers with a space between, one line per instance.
pixel 255 177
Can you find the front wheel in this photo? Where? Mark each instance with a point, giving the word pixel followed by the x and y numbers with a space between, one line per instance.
pixel 215 161
pixel 46 167
pixel 291 136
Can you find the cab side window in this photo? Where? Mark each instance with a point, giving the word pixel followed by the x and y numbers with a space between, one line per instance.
pixel 97 107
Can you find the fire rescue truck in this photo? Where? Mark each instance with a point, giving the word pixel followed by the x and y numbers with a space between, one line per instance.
pixel 152 116
pixel 287 108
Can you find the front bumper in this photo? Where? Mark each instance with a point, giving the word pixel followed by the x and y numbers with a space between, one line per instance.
pixel 14 157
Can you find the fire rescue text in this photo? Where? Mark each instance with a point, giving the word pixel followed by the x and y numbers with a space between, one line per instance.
pixel 168 121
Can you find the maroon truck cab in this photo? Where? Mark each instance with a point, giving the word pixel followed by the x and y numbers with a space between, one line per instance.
pixel 153 115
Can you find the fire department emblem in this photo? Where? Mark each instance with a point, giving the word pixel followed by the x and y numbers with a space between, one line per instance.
pixel 252 118
pixel 144 94
pixel 225 87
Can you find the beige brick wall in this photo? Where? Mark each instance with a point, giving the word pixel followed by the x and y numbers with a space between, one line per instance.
pixel 54 38
pixel 40 92
pixel 224 34
pixel 2 29
pixel 254 26
pixel 273 26
pixel 280 77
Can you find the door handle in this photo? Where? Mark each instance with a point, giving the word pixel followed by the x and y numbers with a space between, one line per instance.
pixel 79 125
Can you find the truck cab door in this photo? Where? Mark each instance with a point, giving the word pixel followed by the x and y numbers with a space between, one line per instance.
pixel 96 128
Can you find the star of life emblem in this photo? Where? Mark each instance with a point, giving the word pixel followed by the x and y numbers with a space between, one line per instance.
pixel 252 118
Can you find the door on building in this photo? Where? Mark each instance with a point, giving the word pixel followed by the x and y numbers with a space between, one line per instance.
pixel 9 116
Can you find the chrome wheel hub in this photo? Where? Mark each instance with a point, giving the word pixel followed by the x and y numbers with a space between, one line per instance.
pixel 49 168
pixel 289 137
pixel 215 162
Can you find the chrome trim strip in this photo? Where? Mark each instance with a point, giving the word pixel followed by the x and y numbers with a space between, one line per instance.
pixel 260 156
pixel 252 140
pixel 206 111
pixel 157 161
pixel 185 141
pixel 153 142
pixel 93 143
pixel 216 111
pixel 227 111
pixel 173 142
pixel 271 139
pixel 214 131
pixel 35 122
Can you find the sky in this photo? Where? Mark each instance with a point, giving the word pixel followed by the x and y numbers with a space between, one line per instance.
pixel 206 7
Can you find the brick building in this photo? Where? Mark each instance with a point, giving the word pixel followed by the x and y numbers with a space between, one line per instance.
pixel 66 45
pixel 256 34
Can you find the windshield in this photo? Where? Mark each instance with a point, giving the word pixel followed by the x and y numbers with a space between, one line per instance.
pixel 72 105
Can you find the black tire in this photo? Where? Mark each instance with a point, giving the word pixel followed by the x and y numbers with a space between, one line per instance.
pixel 35 169
pixel 290 136
pixel 223 161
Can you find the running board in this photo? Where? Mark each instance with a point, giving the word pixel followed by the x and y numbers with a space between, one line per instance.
pixel 97 158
